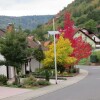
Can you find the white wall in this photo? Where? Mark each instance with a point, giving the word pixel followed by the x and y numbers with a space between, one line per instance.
pixel 85 38
pixel 3 69
pixel 96 38
pixel 11 72
pixel 34 64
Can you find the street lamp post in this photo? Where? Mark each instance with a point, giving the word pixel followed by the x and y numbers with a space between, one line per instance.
pixel 55 62
pixel 55 52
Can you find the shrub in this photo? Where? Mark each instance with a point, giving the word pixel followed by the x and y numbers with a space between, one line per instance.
pixel 60 68
pixel 23 76
pixel 97 53
pixel 29 81
pixel 3 80
pixel 46 73
pixel 84 61
pixel 74 70
pixel 43 82
pixel 35 83
pixel 93 59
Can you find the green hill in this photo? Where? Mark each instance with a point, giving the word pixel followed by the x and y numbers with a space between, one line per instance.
pixel 26 22
pixel 85 13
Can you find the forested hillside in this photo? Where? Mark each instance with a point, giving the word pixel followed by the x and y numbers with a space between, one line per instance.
pixel 85 13
pixel 26 22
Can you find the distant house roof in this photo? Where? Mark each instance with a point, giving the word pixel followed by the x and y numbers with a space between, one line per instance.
pixel 2 32
pixel 47 43
pixel 32 43
pixel 44 45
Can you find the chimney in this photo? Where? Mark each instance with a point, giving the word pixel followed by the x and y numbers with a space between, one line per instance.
pixel 10 27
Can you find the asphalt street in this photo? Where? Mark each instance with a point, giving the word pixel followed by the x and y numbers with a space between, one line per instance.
pixel 86 89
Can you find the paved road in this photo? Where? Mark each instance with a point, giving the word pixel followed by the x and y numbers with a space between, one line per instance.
pixel 87 89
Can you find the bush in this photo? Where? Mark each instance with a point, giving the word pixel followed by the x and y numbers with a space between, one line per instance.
pixel 23 76
pixel 84 61
pixel 3 80
pixel 97 53
pixel 60 68
pixel 46 73
pixel 29 81
pixel 74 70
pixel 43 82
pixel 93 59
pixel 35 83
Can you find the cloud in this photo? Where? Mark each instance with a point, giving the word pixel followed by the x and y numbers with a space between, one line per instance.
pixel 32 7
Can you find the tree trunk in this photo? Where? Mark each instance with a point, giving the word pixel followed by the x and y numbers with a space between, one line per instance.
pixel 17 79
pixel 39 65
pixel 7 72
pixel 30 66
pixel 25 68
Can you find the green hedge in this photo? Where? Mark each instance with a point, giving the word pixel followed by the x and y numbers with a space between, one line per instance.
pixel 93 59
pixel 97 53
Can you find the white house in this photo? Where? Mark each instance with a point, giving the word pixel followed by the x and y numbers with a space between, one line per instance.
pixel 89 37
pixel 31 63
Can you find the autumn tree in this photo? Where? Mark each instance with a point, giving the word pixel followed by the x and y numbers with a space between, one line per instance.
pixel 69 29
pixel 81 48
pixel 63 52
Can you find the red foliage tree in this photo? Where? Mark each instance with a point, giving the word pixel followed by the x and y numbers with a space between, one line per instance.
pixel 81 48
pixel 69 29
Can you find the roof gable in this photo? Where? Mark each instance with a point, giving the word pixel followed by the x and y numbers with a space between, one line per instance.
pixel 89 34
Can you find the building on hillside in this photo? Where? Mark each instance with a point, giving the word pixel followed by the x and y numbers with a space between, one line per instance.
pixel 89 37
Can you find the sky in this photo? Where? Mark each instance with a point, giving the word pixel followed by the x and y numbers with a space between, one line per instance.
pixel 32 7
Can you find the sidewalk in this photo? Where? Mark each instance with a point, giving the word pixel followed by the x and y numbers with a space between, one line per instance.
pixel 29 94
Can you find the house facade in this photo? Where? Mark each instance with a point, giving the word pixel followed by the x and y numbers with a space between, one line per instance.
pixel 31 63
pixel 89 37
pixel 29 66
